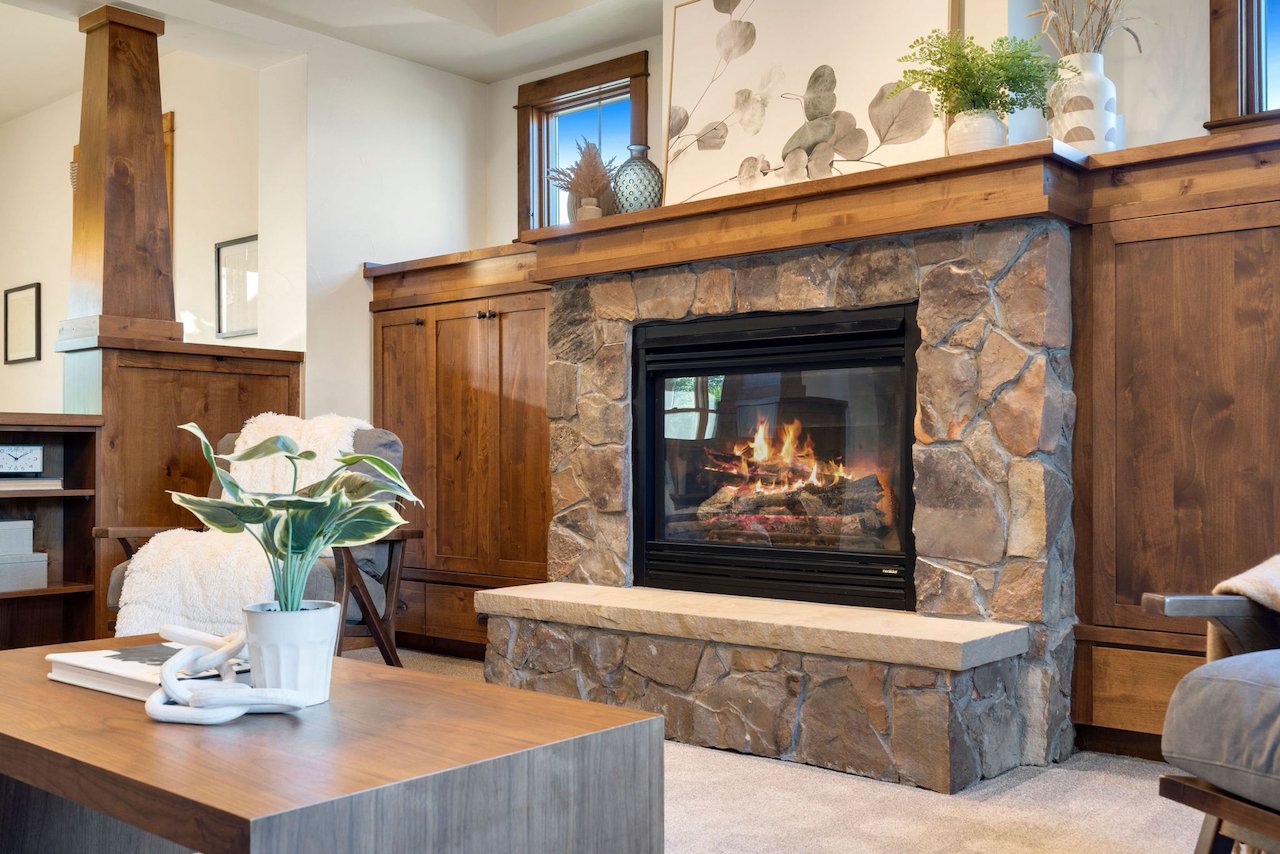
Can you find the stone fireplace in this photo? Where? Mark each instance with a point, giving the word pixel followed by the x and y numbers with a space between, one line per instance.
pixel 771 455
pixel 971 520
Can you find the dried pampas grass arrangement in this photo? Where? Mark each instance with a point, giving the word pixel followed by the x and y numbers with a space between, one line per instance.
pixel 1083 26
pixel 589 177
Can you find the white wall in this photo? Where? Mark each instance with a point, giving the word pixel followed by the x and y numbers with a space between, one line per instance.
pixel 282 207
pixel 35 240
pixel 500 219
pixel 396 166
pixel 1163 91
pixel 215 198
pixel 215 176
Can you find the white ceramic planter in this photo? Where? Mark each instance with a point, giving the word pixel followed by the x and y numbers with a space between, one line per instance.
pixel 293 649
pixel 1082 107
pixel 975 130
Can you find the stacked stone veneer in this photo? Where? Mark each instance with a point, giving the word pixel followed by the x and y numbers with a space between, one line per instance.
pixel 934 728
pixel 991 460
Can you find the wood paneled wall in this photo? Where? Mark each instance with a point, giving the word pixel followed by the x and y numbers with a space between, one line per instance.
pixel 143 395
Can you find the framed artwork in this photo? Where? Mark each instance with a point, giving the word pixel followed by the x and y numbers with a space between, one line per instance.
pixel 235 264
pixel 22 324
pixel 766 92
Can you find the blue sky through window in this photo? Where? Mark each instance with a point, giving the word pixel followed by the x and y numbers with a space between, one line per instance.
pixel 608 125
pixel 1271 41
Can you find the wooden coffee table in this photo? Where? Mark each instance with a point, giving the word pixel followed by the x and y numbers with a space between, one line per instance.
pixel 396 761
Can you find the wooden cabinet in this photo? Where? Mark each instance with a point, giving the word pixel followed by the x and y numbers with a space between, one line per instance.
pixel 63 521
pixel 462 379
pixel 1177 464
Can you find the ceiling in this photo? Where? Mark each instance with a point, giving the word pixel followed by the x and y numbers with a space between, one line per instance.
pixel 485 40
pixel 42 50
pixel 41 60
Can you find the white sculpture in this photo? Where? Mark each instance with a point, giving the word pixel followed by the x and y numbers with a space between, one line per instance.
pixel 207 701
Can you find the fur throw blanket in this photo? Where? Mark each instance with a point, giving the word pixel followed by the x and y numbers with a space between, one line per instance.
pixel 1261 584
pixel 202 579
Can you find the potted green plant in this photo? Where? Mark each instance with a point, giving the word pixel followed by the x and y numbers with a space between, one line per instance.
pixel 1082 107
pixel 978 86
pixel 291 640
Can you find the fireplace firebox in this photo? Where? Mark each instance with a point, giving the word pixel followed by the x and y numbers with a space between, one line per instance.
pixel 772 455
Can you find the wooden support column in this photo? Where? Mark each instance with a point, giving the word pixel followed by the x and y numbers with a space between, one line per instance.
pixel 121 251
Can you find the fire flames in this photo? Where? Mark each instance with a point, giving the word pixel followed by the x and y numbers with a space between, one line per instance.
pixel 783 463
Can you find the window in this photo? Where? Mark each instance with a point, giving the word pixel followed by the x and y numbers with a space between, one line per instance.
pixel 1244 63
pixel 606 103
pixel 1271 51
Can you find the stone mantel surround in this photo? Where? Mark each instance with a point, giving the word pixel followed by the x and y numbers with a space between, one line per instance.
pixel 983 242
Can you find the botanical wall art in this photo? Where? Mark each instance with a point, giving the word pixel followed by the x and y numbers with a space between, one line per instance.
pixel 765 92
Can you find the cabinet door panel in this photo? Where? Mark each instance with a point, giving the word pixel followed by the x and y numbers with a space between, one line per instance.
pixel 400 383
pixel 458 438
pixel 1197 472
pixel 520 478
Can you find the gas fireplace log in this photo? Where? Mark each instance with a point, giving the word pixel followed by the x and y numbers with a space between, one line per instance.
pixel 859 503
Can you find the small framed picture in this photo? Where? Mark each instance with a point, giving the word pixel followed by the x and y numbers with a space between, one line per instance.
pixel 22 324
pixel 235 264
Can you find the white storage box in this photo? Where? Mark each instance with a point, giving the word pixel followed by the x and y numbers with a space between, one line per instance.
pixel 23 572
pixel 16 537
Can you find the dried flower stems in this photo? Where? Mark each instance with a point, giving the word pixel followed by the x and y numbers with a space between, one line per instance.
pixel 589 177
pixel 1083 26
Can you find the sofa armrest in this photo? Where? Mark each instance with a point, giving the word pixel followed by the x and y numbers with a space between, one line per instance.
pixel 1200 605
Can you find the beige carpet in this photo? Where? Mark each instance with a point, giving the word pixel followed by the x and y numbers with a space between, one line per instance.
pixel 717 801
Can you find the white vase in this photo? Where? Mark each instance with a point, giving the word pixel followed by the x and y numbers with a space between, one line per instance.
pixel 293 649
pixel 589 209
pixel 1082 106
pixel 974 130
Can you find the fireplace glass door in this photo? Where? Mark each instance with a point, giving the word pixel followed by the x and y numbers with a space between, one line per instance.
pixel 798 459
pixel 772 455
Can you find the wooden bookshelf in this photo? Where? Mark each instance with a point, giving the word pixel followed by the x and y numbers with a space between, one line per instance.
pixel 63 521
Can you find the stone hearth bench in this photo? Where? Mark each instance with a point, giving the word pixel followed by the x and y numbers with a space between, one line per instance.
pixel 927 701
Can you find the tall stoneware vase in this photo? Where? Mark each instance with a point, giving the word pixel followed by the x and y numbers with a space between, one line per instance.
pixel 293 649
pixel 974 130
pixel 1082 106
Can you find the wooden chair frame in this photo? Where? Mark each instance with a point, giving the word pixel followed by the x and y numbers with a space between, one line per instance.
pixel 349 582
pixel 1236 626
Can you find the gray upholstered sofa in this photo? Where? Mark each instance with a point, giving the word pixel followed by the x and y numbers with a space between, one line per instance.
pixel 1223 722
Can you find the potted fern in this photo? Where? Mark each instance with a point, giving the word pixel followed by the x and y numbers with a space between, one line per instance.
pixel 978 86
pixel 291 639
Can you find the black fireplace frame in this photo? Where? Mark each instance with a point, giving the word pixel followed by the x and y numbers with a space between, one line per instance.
pixel 764 341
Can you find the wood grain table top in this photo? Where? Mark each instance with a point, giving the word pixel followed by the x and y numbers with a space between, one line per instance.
pixel 382 726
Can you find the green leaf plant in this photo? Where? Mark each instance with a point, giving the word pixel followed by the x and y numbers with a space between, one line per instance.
pixel 1013 74
pixel 346 508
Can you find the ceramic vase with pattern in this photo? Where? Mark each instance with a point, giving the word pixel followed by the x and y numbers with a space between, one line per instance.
pixel 637 185
pixel 1082 106
pixel 974 130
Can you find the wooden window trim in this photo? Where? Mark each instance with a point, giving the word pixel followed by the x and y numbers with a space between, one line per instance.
pixel 1237 76
pixel 538 100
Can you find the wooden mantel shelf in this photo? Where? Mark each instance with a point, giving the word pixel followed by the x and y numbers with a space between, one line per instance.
pixel 1040 178
pixel 1031 179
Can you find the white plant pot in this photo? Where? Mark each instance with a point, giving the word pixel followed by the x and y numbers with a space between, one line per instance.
pixel 293 649
pixel 589 209
pixel 974 130
pixel 1082 107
